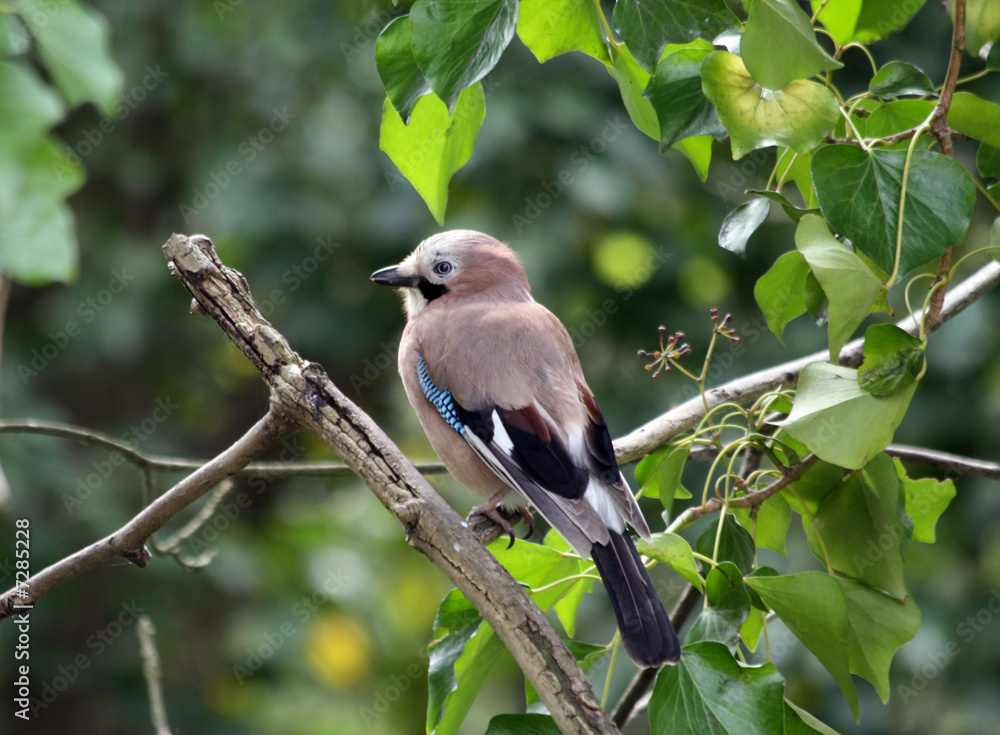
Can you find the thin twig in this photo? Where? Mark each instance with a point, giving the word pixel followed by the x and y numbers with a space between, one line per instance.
pixel 940 130
pixel 945 461
pixel 129 541
pixel 270 470
pixel 152 672
pixel 750 500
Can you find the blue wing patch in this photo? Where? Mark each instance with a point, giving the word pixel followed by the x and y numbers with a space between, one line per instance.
pixel 441 399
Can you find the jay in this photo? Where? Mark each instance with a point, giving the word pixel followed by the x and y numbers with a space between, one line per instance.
pixel 497 386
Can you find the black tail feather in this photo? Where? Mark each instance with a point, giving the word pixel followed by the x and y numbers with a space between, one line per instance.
pixel 646 631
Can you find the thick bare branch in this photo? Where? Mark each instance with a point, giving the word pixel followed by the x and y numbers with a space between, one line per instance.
pixel 314 402
pixel 686 416
pixel 129 541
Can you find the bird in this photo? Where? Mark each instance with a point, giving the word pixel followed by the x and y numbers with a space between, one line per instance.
pixel 496 383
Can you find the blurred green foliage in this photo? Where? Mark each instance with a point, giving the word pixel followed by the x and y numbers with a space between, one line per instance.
pixel 258 125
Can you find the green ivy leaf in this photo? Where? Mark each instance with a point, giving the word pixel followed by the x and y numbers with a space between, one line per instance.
pixel 813 607
pixel 795 167
pixel 880 18
pixel 779 44
pixel 840 422
pixel 741 223
pixel 800 722
pixel 993 58
pixel 75 48
pixel 538 565
pixel 14 38
pixel 676 94
pixel 897 116
pixel 856 526
pixel 403 82
pixel 840 18
pixel 794 213
pixel 675 552
pixel 698 150
pixel 877 625
pixel 898 78
pixel 709 691
pixel 859 194
pixel 819 479
pixel 975 117
pixel 457 42
pixel 735 544
pixel 926 500
pixel 648 27
pixel 728 607
pixel 553 27
pixel 39 244
pixel 28 107
pixel 752 628
pixel 849 284
pixel 529 724
pixel 982 23
pixel 988 160
pixel 632 81
pixel 772 521
pixel 780 293
pixel 659 474
pixel 434 145
pixel 799 116
pixel 462 654
pixel 893 359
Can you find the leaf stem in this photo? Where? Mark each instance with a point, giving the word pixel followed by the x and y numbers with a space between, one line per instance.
pixel 867 53
pixel 615 645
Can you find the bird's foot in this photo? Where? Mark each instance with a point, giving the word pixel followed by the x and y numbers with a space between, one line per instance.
pixel 529 520
pixel 489 510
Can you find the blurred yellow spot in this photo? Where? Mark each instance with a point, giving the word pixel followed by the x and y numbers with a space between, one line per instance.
pixel 624 259
pixel 338 649
pixel 702 282
pixel 415 604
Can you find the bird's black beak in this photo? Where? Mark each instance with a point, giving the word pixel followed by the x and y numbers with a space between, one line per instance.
pixel 391 277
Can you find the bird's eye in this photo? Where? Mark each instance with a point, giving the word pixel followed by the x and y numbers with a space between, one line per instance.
pixel 443 268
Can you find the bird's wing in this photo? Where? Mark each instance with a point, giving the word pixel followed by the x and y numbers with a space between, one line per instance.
pixel 525 448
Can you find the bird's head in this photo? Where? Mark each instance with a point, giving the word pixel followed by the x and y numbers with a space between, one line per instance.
pixel 460 264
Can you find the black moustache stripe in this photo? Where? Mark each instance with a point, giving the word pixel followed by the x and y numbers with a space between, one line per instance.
pixel 431 291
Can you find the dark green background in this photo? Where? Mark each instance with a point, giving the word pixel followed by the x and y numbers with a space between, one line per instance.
pixel 628 245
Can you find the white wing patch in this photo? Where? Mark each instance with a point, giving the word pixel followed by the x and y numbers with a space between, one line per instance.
pixel 600 499
pixel 500 436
